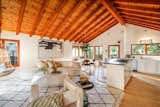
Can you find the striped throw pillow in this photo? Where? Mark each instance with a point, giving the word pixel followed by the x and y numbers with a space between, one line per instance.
pixel 55 100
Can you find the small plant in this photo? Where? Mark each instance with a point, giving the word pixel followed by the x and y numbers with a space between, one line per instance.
pixel 44 69
pixel 86 49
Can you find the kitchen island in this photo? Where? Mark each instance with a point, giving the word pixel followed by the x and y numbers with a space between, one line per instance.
pixel 118 72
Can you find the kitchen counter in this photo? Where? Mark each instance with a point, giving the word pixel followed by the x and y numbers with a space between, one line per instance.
pixel 118 72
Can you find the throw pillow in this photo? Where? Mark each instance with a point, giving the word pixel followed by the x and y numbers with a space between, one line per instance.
pixel 55 100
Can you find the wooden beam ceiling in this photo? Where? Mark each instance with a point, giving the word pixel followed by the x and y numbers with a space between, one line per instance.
pixel 53 17
pixel 112 10
pixel 80 30
pixel 102 31
pixel 142 22
pixel 140 3
pixel 139 10
pixel 68 16
pixel 39 16
pixel 93 25
pixel 67 26
pixel 97 7
pixel 140 19
pixel 103 23
pixel 79 21
pixel 141 15
pixel 101 27
pixel 72 19
pixel 143 25
pixel 20 16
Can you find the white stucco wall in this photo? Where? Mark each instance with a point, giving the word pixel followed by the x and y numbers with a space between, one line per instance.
pixel 110 37
pixel 133 35
pixel 29 48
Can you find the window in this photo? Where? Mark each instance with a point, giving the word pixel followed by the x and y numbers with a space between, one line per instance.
pixel 12 46
pixel 91 52
pixel 114 51
pixel 95 52
pixel 138 49
pixel 153 49
pixel 75 51
pixel 98 52
pixel 146 49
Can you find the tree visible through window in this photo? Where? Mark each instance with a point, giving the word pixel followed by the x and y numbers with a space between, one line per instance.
pixel 146 49
pixel 138 49
pixel 153 49
pixel 114 51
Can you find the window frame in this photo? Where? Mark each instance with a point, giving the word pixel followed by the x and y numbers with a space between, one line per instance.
pixel 118 50
pixel 144 49
pixel 18 43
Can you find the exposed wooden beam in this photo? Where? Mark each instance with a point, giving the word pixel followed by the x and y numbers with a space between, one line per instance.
pixel 79 22
pixel 102 31
pixel 39 16
pixel 93 25
pixel 70 25
pixel 68 16
pixel 103 23
pixel 141 15
pixel 112 10
pixel 147 24
pixel 101 26
pixel 140 19
pixel 52 18
pixel 97 15
pixel 143 25
pixel 139 10
pixel 21 14
pixel 83 21
pixel 138 3
pixel 158 26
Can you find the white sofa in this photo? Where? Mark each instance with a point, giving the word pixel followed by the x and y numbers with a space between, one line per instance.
pixel 72 95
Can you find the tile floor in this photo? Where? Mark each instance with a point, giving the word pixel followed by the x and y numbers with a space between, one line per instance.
pixel 15 92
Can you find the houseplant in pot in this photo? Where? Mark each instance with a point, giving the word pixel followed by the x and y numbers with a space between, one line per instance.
pixel 85 50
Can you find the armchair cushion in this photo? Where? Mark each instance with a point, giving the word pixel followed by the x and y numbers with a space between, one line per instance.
pixel 55 100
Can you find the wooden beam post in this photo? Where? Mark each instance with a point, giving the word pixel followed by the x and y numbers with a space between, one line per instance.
pixel 112 10
pixel 21 14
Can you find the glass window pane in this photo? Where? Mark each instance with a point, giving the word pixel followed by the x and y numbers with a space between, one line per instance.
pixel 138 49
pixel 73 52
pixel 100 52
pixel 76 49
pixel 113 51
pixel 12 48
pixel 80 52
pixel 96 52
pixel 153 49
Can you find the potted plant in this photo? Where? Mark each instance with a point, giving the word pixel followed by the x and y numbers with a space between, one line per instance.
pixel 44 69
pixel 85 50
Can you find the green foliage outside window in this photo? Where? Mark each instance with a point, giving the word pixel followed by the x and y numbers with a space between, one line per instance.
pixel 153 49
pixel 138 49
pixel 146 49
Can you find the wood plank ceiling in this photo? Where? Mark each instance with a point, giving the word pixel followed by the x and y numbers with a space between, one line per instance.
pixel 76 20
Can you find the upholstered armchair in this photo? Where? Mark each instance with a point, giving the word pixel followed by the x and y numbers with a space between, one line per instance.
pixel 72 94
